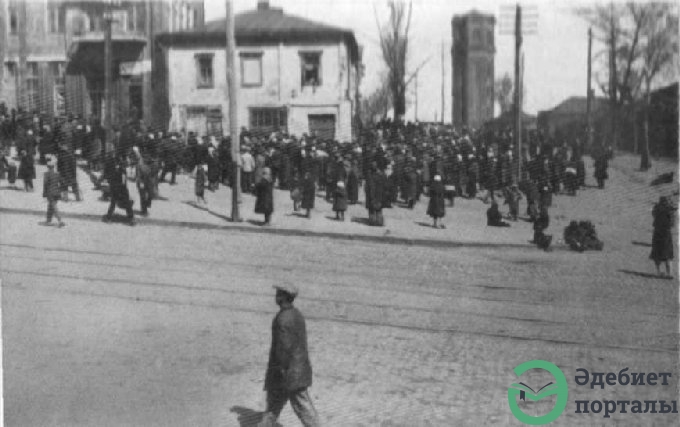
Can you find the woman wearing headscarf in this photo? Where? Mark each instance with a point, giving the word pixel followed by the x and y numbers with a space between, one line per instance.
pixel 264 196
pixel 436 208
pixel 662 239
pixel 308 193
pixel 26 170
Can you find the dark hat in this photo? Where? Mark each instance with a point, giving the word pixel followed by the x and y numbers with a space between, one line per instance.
pixel 288 288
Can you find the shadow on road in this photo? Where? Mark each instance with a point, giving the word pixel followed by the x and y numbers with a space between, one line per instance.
pixel 645 244
pixel 423 224
pixel 360 220
pixel 645 275
pixel 248 417
pixel 206 209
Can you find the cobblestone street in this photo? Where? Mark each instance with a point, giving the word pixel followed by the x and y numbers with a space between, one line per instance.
pixel 168 325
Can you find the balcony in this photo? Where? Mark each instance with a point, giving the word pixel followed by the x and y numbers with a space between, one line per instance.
pixel 86 51
pixel 85 37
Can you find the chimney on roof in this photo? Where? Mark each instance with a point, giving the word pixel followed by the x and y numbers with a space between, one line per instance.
pixel 262 4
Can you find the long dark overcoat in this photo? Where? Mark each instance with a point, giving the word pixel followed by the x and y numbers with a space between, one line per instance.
pixel 264 193
pixel 662 239
pixel 308 193
pixel 289 367
pixel 436 208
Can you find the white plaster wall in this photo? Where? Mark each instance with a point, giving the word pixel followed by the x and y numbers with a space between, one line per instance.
pixel 281 84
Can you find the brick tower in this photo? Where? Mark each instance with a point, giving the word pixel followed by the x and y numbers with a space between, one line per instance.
pixel 472 55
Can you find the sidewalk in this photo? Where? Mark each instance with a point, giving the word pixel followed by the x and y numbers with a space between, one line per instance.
pixel 465 222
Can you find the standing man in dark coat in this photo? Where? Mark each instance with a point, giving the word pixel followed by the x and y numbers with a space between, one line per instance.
pixel 66 165
pixel 52 193
pixel 144 180
pixel 289 372
pixel 114 173
pixel 601 166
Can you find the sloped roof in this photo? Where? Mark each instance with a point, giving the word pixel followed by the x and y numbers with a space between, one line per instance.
pixel 266 25
pixel 272 21
pixel 577 105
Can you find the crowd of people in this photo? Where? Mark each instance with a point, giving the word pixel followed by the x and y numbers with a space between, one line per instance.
pixel 395 164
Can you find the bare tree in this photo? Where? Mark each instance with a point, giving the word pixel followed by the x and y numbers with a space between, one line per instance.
pixel 618 27
pixel 503 92
pixel 394 36
pixel 659 56
pixel 377 103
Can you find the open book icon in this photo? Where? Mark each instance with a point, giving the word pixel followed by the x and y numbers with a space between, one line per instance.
pixel 534 395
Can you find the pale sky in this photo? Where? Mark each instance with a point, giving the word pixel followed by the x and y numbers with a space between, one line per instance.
pixel 555 58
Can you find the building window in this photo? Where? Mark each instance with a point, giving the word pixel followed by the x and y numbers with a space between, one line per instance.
pixel 311 68
pixel 135 17
pixel 32 82
pixel 55 23
pixel 58 72
pixel 11 68
pixel 204 71
pixel 267 120
pixel 195 18
pixel 477 36
pixel 13 19
pixel 190 18
pixel 251 69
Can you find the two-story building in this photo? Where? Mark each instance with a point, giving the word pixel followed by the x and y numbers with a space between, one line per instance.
pixel 293 74
pixel 53 53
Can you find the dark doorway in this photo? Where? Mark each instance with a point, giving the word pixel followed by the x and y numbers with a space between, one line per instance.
pixel 322 125
pixel 136 104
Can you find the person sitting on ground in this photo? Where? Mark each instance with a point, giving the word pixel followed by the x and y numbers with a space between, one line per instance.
pixel 494 217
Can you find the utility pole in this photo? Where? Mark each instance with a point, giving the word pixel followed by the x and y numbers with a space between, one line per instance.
pixel 416 118
pixel 22 101
pixel 108 63
pixel 232 94
pixel 443 76
pixel 3 43
pixel 589 118
pixel 613 103
pixel 518 91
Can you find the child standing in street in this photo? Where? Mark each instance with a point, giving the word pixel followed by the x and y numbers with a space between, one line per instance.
pixel 340 201
pixel 296 192
pixel 512 198
pixel 199 186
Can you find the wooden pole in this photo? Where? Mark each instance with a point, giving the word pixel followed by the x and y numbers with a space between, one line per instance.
pixel 416 115
pixel 232 95
pixel 518 91
pixel 22 101
pixel 589 99
pixel 108 63
pixel 443 76
pixel 3 48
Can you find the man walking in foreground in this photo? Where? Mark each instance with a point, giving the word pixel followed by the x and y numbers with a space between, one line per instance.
pixel 289 372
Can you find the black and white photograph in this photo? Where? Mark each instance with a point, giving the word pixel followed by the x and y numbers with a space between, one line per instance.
pixel 347 213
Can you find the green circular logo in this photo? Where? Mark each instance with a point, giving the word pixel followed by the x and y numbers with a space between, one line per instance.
pixel 558 387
